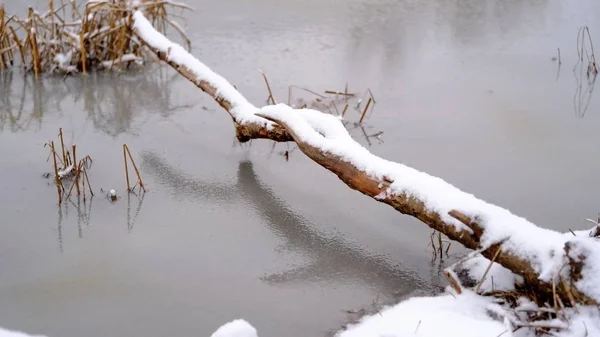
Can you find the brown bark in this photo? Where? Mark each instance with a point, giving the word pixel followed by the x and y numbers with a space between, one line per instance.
pixel 405 204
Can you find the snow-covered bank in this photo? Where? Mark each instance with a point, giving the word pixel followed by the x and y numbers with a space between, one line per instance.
pixel 447 315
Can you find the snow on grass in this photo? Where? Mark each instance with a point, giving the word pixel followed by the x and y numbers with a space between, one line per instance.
pixel 442 316
pixel 542 247
pixel 242 110
pixel 122 59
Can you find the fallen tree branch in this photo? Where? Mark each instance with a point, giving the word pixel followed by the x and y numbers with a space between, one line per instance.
pixel 247 125
pixel 536 254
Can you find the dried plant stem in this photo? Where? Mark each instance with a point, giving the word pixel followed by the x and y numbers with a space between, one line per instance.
pixel 345 109
pixel 62 146
pixel 76 168
pixel 333 92
pixel 365 110
pixel 126 168
pixel 137 172
pixel 56 178
pixel 487 270
pixel 34 43
pixel 271 97
pixel 74 180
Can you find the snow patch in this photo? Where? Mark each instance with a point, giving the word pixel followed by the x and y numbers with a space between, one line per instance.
pixel 445 315
pixel 236 328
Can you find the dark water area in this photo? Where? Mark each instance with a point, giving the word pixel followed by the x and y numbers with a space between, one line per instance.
pixel 465 90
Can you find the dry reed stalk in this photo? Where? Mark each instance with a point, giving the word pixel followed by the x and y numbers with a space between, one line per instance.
pixel 32 32
pixel 137 172
pixel 75 179
pixel 22 51
pixel 57 181
pixel 345 109
pixel 3 39
pixel 333 92
pixel 487 270
pixel 98 36
pixel 126 169
pixel 62 146
pixel 271 97
pixel 365 110
pixel 82 42
pixel 76 168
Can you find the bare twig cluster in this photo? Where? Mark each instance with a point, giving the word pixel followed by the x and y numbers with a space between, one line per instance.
pixel 335 102
pixel 66 167
pixel 71 37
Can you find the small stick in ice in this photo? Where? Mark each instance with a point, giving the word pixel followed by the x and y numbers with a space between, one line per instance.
pixel 56 178
pixel 126 169
pixel 365 110
pixel 271 97
pixel 76 167
pixel 137 172
pixel 62 146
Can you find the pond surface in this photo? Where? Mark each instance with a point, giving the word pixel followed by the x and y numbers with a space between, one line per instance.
pixel 466 90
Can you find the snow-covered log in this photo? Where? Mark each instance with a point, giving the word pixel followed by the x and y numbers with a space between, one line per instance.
pixel 247 125
pixel 553 264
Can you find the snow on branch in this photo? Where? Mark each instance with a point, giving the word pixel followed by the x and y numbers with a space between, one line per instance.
pixel 248 125
pixel 538 255
pixel 553 264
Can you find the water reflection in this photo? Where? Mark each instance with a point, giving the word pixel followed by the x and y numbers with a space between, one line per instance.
pixel 585 71
pixel 83 207
pixel 130 221
pixel 111 100
pixel 332 257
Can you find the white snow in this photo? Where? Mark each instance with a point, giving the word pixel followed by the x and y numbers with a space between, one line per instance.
pixel 242 110
pixel 13 333
pixel 63 61
pixel 443 316
pixel 67 171
pixel 236 328
pixel 542 247
pixel 497 278
pixel 124 58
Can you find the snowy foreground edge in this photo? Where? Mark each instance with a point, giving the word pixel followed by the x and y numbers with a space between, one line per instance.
pixel 327 133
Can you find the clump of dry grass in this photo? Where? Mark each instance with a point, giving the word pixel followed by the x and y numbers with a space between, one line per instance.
pixel 71 37
pixel 67 167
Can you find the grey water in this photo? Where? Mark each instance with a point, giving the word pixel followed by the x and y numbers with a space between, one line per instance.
pixel 470 91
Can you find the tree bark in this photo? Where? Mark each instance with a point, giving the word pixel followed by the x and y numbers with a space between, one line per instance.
pixel 405 204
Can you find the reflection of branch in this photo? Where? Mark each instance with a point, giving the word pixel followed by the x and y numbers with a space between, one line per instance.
pixel 333 258
pixel 130 222
pixel 110 101
pixel 581 98
pixel 184 185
